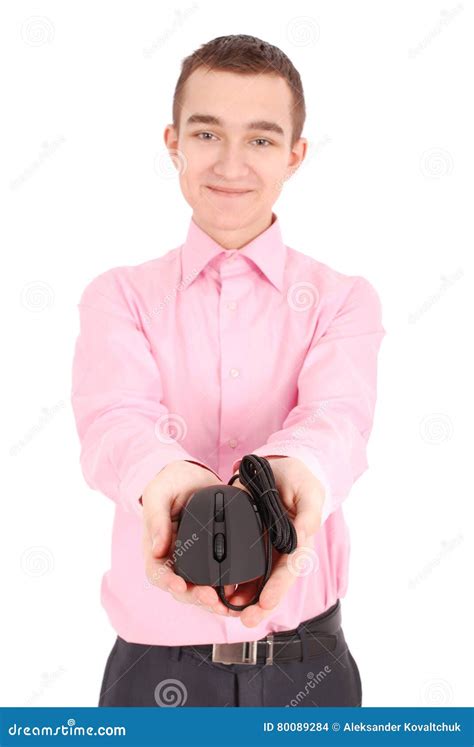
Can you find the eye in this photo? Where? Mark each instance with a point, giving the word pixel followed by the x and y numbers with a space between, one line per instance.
pixel 203 133
pixel 263 142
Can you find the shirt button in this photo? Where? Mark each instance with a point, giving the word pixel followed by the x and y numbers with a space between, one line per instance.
pixel 234 372
pixel 232 443
pixel 232 305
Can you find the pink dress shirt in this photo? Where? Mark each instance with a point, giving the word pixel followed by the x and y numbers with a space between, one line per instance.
pixel 208 354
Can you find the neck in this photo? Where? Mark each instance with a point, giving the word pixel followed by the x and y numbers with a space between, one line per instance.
pixel 235 238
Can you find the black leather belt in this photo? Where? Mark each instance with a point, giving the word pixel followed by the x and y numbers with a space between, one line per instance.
pixel 321 635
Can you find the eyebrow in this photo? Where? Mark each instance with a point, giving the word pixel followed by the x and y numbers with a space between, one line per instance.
pixel 259 124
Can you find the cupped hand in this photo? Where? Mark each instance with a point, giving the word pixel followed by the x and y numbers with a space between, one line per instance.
pixel 162 500
pixel 302 495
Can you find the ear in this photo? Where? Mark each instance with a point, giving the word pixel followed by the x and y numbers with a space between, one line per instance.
pixel 170 136
pixel 297 156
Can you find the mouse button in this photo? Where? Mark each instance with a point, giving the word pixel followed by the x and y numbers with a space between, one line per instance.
pixel 219 546
pixel 219 507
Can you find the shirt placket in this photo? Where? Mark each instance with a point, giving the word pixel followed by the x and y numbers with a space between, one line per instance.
pixel 234 274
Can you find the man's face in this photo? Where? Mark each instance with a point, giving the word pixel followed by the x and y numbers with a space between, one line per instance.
pixel 222 152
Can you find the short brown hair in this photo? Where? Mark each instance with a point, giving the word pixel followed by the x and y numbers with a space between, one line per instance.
pixel 244 54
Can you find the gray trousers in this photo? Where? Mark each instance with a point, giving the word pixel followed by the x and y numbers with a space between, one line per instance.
pixel 168 676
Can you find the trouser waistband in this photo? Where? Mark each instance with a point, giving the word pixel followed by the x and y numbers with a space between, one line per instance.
pixel 310 638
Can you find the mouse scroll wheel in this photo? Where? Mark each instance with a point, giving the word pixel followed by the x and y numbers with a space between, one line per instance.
pixel 219 546
pixel 219 507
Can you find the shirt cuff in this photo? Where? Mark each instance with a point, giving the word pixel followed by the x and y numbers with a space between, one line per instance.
pixel 206 466
pixel 133 485
pixel 306 455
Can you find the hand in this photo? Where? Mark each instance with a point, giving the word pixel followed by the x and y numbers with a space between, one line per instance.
pixel 163 499
pixel 303 496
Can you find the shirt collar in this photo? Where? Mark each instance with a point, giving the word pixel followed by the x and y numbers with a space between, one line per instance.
pixel 266 250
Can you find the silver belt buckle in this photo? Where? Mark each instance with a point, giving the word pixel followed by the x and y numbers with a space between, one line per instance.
pixel 241 653
pixel 235 653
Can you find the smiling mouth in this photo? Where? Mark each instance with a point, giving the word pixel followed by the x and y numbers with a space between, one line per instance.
pixel 228 192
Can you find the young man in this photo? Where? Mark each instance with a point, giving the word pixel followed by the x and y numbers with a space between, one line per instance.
pixel 230 344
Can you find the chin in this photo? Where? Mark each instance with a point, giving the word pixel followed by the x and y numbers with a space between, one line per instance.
pixel 233 219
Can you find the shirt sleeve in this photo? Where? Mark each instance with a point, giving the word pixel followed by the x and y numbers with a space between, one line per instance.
pixel 117 398
pixel 330 425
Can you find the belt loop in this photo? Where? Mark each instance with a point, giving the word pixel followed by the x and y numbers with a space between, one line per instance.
pixel 175 652
pixel 269 638
pixel 304 642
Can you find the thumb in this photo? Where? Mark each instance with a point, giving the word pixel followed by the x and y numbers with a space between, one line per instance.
pixel 158 526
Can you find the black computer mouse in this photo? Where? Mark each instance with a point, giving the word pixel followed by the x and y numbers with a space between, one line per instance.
pixel 220 538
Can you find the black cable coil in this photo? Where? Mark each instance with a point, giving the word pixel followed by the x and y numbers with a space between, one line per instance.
pixel 257 477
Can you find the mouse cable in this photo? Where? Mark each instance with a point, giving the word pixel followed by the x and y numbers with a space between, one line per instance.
pixel 257 477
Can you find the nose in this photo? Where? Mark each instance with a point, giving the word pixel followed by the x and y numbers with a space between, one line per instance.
pixel 231 163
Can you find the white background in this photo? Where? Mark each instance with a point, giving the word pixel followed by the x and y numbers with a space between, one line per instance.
pixel 86 94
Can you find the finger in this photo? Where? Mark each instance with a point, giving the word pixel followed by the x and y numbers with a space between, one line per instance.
pixel 205 596
pixel 164 572
pixel 283 576
pixel 158 525
pixel 160 570
pixel 309 504
pixel 229 589
pixel 243 595
pixel 218 606
pixel 160 573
